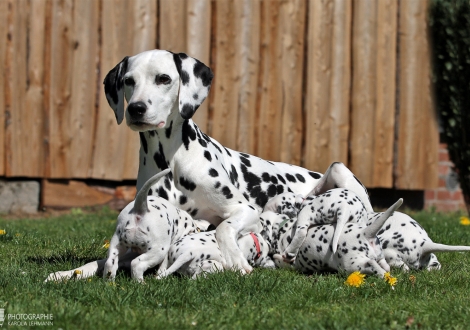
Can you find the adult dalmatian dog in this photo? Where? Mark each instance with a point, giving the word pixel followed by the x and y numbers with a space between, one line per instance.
pixel 228 188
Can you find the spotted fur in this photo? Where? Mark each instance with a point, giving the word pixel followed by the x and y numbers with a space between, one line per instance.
pixel 198 254
pixel 407 245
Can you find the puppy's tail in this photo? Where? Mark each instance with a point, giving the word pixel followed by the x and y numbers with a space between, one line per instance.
pixel 140 204
pixel 340 222
pixel 372 229
pixel 431 247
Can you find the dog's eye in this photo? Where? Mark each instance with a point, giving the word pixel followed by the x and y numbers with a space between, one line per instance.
pixel 129 82
pixel 162 79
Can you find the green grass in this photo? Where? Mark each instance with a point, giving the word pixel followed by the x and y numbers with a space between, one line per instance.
pixel 265 299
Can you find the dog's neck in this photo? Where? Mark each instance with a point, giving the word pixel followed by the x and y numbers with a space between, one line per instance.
pixel 166 147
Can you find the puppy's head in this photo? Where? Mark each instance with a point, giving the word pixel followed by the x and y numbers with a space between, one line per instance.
pixel 157 85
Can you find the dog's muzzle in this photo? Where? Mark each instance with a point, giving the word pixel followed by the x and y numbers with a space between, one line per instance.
pixel 137 110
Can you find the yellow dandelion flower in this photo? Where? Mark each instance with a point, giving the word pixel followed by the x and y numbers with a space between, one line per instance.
pixel 77 272
pixel 465 221
pixel 355 279
pixel 106 244
pixel 390 279
pixel 412 279
pixel 3 232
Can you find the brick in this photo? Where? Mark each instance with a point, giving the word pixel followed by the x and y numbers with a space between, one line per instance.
pixel 443 169
pixel 443 156
pixel 442 183
pixel 443 195
pixel 429 195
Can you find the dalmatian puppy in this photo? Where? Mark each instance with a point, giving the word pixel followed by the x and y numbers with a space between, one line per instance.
pixel 146 227
pixel 406 244
pixel 286 203
pixel 277 230
pixel 334 206
pixel 163 90
pixel 200 253
pixel 359 248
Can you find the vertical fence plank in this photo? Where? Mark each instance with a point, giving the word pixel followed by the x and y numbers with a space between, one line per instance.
pixel 373 91
pixel 283 29
pixel 225 90
pixel 4 12
pixel 328 83
pixel 60 87
pixel 418 135
pixel 116 147
pixel 74 43
pixel 172 34
pixel 23 89
pixel 84 82
pixel 293 18
pixel 198 45
pixel 249 54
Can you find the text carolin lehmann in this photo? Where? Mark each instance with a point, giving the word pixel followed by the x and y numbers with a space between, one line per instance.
pixel 25 320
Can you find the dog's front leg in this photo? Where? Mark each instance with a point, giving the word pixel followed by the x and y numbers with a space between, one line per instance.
pixel 116 250
pixel 242 220
pixel 88 270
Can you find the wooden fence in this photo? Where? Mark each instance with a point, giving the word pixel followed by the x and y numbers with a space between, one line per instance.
pixel 299 81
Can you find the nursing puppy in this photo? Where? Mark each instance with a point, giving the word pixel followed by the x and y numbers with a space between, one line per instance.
pixel 407 245
pixel 147 226
pixel 200 253
pixel 359 249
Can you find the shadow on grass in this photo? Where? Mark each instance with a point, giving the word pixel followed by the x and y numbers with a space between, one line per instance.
pixel 67 257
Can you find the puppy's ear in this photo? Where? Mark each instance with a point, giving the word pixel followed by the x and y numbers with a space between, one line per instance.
pixel 195 83
pixel 114 89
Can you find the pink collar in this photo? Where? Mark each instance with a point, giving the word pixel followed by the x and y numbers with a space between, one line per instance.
pixel 258 248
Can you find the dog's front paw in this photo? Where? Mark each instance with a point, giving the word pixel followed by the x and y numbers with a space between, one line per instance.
pixel 288 257
pixel 237 262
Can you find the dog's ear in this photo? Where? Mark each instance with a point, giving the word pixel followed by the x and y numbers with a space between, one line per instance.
pixel 195 83
pixel 114 89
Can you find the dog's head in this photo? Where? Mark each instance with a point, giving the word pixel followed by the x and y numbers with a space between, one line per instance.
pixel 157 85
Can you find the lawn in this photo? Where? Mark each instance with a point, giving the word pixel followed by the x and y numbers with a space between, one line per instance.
pixel 265 299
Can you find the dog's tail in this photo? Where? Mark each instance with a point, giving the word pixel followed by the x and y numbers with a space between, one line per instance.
pixel 431 247
pixel 372 229
pixel 140 204
pixel 341 221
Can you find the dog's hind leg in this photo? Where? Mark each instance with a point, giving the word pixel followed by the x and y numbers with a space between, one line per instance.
pixel 339 176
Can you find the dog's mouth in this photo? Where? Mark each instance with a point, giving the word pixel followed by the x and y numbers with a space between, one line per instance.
pixel 141 126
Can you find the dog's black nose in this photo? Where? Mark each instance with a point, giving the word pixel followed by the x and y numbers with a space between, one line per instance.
pixel 137 109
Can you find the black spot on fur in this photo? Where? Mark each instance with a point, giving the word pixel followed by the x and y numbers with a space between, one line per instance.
pixel 213 173
pixel 281 178
pixel 227 193
pixel 245 161
pixel 187 184
pixel 188 110
pixel 168 130
pixel 159 158
pixel 203 72
pixel 300 178
pixel 290 177
pixel 162 193
pixel 189 134
pixel 143 142
pixel 314 175
pixel 208 156
pixel 183 199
